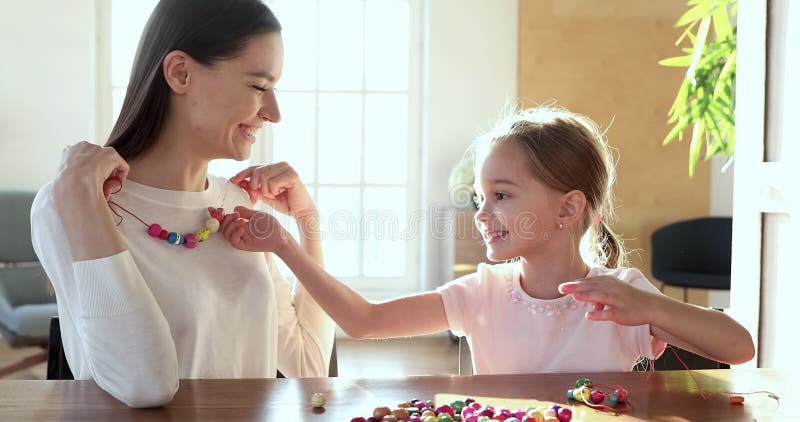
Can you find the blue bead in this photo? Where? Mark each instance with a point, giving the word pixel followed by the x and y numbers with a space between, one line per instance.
pixel 172 237
pixel 613 398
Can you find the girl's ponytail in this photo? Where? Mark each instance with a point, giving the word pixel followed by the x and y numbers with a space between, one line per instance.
pixel 609 246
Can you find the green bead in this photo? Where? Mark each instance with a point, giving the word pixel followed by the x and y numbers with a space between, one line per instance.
pixel 457 406
pixel 581 382
pixel 444 417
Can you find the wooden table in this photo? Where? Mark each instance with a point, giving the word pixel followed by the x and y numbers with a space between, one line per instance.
pixel 665 396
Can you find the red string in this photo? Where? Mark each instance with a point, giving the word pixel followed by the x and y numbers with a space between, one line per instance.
pixel 123 209
pixel 706 396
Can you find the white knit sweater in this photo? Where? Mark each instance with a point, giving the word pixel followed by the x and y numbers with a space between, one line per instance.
pixel 137 321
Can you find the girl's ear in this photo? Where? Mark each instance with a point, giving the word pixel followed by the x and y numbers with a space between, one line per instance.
pixel 176 71
pixel 573 204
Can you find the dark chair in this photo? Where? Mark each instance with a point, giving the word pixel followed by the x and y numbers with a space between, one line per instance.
pixel 668 361
pixel 58 368
pixel 694 253
pixel 26 303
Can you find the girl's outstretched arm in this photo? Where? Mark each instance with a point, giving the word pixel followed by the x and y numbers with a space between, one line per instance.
pixel 412 315
pixel 704 331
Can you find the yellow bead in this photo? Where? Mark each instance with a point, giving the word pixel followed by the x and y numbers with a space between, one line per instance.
pixel 535 415
pixel 584 394
pixel 212 225
pixel 202 234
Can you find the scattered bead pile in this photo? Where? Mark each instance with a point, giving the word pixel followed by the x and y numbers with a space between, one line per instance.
pixel 465 411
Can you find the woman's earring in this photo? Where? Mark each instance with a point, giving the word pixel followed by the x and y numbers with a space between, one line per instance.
pixel 561 225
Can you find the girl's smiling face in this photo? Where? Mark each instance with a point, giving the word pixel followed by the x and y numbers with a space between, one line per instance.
pixel 517 212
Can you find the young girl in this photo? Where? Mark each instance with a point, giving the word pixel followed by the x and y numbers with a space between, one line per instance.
pixel 544 179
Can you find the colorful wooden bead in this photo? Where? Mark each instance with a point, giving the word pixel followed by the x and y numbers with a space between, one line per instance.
pixel 737 400
pixel 380 412
pixel 317 400
pixel 212 225
pixel 154 230
pixel 401 414
pixel 583 381
pixel 564 415
pixel 218 214
pixel 622 395
pixel 533 416
pixel 163 235
pixel 203 234
pixel 596 396
pixel 191 240
pixel 445 409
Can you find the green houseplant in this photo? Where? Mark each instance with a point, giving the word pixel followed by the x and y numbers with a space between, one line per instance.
pixel 706 98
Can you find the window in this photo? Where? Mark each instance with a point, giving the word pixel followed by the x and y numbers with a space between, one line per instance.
pixel 349 98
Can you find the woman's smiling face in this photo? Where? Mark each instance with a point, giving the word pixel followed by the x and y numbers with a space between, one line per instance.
pixel 230 100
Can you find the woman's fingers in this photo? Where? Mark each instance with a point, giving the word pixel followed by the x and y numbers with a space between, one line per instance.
pixel 244 174
pixel 244 212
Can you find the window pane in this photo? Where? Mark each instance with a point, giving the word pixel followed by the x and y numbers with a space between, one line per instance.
pixel 387 44
pixel 340 138
pixel 386 138
pixel 299 21
pixel 340 211
pixel 341 24
pixel 127 22
pixel 293 136
pixel 117 97
pixel 384 223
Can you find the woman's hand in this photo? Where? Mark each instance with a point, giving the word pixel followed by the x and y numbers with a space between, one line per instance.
pixel 613 299
pixel 89 168
pixel 88 175
pixel 253 231
pixel 279 186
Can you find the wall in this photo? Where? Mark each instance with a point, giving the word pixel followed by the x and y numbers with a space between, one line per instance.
pixel 599 58
pixel 46 86
pixel 471 68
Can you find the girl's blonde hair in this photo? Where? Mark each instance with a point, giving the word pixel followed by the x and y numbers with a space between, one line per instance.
pixel 566 151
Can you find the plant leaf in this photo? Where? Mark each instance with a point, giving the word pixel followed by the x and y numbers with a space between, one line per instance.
pixel 679 61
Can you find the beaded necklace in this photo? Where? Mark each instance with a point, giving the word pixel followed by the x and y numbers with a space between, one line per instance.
pixel 188 240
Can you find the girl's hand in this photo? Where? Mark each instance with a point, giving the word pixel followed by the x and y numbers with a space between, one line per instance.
pixel 613 299
pixel 279 186
pixel 87 166
pixel 253 231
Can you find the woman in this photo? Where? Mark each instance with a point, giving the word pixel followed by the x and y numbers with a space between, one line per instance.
pixel 138 311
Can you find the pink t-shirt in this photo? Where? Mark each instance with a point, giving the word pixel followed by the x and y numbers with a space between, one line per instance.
pixel 511 332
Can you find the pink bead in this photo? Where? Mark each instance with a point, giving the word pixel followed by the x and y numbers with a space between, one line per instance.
pixel 622 395
pixel 191 240
pixel 564 415
pixel 445 409
pixel 596 397
pixel 154 230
